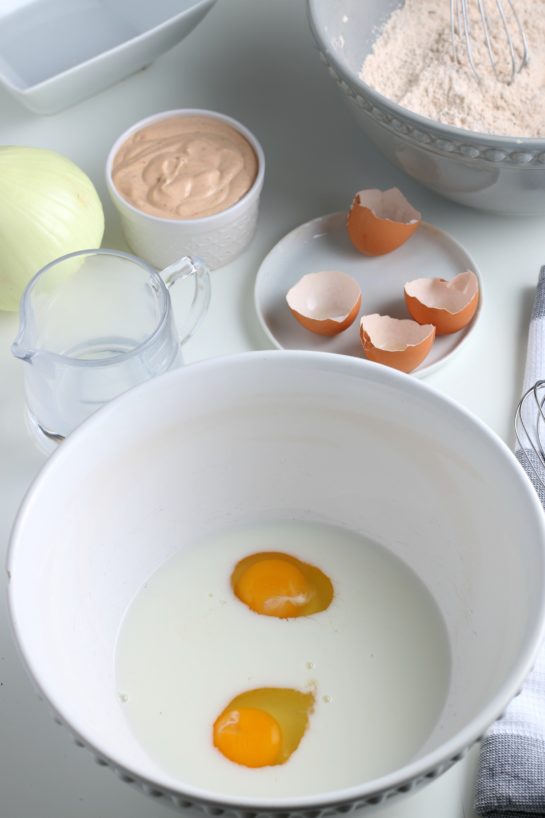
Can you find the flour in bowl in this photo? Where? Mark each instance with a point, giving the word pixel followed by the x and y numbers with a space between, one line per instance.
pixel 412 63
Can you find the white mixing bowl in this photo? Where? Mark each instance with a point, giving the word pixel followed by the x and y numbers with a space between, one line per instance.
pixel 500 174
pixel 273 435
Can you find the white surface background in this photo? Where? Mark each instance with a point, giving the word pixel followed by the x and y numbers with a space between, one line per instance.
pixel 254 60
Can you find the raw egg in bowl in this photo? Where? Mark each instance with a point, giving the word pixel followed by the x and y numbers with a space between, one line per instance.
pixel 123 581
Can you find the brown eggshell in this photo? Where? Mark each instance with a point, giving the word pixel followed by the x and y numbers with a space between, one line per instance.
pixel 448 305
pixel 400 343
pixel 326 302
pixel 381 221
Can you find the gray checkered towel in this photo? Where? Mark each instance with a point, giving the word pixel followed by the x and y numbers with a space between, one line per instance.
pixel 511 781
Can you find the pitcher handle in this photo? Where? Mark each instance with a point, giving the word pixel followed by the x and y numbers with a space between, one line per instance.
pixel 177 271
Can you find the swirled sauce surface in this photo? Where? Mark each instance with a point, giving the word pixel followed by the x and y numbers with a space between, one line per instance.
pixel 184 167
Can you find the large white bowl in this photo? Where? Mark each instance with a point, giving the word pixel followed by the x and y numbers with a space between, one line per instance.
pixel 260 436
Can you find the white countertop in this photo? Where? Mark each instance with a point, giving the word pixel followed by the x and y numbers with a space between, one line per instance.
pixel 254 60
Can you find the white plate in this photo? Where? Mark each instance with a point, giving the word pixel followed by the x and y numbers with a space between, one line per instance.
pixel 323 244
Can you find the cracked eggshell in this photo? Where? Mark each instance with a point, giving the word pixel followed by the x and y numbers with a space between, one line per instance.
pixel 326 302
pixel 448 305
pixel 381 221
pixel 400 343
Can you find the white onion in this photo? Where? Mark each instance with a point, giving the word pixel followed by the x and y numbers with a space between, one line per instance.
pixel 48 207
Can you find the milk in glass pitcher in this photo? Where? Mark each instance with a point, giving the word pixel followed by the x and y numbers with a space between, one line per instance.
pixel 92 325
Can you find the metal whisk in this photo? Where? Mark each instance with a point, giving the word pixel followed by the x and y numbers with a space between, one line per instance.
pixel 530 430
pixel 510 36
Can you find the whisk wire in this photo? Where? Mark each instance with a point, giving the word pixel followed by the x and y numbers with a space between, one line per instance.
pixel 486 28
pixel 522 35
pixel 512 55
pixel 461 31
pixel 531 439
pixel 460 28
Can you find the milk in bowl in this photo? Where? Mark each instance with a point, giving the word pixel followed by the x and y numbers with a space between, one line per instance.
pixel 374 665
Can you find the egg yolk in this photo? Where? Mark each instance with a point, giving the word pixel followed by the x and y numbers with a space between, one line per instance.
pixel 264 726
pixel 248 736
pixel 276 584
pixel 273 587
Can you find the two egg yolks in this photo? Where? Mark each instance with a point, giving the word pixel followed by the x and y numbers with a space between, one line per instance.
pixel 263 727
pixel 275 584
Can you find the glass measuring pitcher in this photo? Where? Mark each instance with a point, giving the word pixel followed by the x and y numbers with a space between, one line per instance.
pixel 93 324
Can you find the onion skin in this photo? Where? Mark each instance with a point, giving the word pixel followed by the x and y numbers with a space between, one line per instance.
pixel 48 207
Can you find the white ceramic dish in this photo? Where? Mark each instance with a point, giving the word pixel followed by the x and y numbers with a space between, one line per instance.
pixel 54 53
pixel 276 435
pixel 216 239
pixel 323 244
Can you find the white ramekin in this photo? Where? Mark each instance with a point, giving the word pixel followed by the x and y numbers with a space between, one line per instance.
pixel 216 239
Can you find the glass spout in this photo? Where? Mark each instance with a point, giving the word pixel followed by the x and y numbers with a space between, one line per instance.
pixel 20 348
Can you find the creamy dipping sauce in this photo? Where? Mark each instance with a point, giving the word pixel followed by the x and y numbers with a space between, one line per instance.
pixel 184 167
